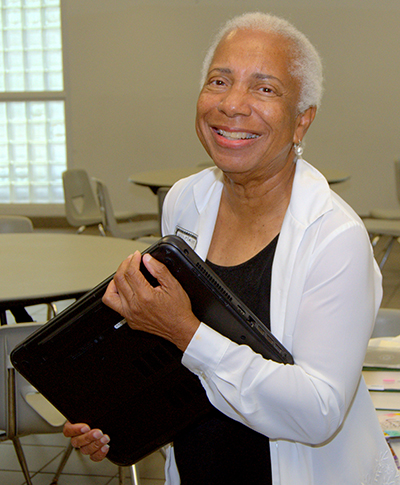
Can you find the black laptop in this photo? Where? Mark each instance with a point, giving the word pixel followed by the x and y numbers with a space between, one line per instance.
pixel 94 369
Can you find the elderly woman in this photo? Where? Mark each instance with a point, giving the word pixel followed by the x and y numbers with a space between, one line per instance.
pixel 297 254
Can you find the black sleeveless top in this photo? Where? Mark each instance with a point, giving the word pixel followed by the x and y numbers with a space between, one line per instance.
pixel 219 450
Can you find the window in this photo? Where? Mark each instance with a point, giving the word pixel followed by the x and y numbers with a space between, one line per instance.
pixel 32 99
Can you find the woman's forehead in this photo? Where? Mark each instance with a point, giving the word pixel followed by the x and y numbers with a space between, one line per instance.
pixel 261 53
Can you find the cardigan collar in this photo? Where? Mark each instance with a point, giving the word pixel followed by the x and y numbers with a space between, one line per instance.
pixel 308 185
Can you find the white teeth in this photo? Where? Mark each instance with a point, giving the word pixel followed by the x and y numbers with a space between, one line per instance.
pixel 236 135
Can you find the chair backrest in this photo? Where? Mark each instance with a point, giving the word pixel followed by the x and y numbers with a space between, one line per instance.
pixel 30 418
pixel 109 220
pixel 15 224
pixel 397 175
pixel 126 230
pixel 81 207
pixel 387 323
pixel 161 193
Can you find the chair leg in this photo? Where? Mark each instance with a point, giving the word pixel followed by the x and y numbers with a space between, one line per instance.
pixel 121 475
pixel 80 229
pixel 51 310
pixel 62 464
pixel 387 252
pixel 163 452
pixel 12 425
pixel 102 231
pixel 134 475
pixel 375 239
pixel 21 458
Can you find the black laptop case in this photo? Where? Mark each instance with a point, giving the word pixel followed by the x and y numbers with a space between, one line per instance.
pixel 94 369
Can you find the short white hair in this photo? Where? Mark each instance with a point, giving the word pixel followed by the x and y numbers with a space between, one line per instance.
pixel 305 62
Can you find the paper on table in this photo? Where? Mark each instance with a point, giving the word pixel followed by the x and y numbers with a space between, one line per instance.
pixel 383 352
pixel 381 380
pixel 389 400
pixel 390 423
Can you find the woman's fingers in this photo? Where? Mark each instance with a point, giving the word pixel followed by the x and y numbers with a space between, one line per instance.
pixel 76 429
pixel 92 442
pixel 95 445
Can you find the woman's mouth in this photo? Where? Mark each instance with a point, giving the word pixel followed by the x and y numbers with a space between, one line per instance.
pixel 236 135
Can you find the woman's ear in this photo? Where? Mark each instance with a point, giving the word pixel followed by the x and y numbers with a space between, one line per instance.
pixel 304 121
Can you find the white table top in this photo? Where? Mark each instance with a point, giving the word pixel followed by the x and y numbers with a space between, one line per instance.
pixel 155 179
pixel 42 266
pixel 163 177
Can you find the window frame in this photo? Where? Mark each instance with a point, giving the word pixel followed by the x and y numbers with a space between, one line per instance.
pixel 31 208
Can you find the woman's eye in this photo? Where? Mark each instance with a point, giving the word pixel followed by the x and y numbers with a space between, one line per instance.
pixel 266 90
pixel 217 82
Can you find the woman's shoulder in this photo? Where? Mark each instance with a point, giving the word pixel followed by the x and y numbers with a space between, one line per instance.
pixel 199 183
pixel 188 197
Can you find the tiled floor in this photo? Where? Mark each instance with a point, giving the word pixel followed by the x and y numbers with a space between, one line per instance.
pixel 43 452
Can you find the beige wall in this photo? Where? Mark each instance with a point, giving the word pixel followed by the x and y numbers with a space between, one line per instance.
pixel 132 71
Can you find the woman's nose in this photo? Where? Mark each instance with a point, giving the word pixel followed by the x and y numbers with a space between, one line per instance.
pixel 235 102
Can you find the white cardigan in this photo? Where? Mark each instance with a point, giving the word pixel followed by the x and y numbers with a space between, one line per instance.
pixel 325 293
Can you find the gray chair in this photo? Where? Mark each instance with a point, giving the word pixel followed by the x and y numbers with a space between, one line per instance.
pixel 161 193
pixel 389 228
pixel 127 230
pixel 387 326
pixel 387 323
pixel 390 213
pixel 20 224
pixel 9 224
pixel 23 411
pixel 81 207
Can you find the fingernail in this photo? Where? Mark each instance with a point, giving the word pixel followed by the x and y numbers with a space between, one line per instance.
pixel 97 435
pixel 105 448
pixel 85 429
pixel 105 439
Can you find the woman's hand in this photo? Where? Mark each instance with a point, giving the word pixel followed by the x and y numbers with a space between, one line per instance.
pixel 164 310
pixel 90 442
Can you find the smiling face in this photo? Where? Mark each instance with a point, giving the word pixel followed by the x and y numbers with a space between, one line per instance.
pixel 247 117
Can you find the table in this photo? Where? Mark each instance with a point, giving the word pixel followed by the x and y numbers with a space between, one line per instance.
pixel 335 176
pixel 154 179
pixel 46 267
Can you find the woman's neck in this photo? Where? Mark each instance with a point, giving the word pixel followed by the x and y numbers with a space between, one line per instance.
pixel 254 197
pixel 250 216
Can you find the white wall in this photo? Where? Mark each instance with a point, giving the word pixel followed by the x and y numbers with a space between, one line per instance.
pixel 132 78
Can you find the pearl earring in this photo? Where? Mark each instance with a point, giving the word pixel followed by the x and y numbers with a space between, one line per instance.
pixel 298 149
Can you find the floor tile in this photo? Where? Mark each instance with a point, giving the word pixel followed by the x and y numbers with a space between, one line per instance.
pixel 79 464
pixel 45 479
pixel 50 439
pixel 36 457
pixel 11 478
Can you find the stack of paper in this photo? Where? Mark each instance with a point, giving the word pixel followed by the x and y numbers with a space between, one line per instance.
pixel 390 423
pixel 384 387
pixel 382 372
pixel 383 352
